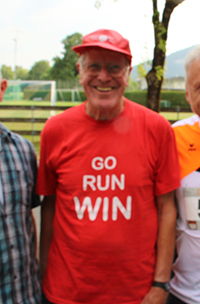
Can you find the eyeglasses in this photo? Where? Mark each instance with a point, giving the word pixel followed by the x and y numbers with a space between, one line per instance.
pixel 114 70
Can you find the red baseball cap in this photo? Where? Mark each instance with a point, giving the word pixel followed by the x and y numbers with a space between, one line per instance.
pixel 106 39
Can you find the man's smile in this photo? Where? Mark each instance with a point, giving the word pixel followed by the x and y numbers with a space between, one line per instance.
pixel 104 89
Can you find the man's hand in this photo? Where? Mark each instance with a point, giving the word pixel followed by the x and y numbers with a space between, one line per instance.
pixel 156 295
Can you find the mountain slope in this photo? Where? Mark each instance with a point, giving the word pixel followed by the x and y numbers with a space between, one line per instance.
pixel 174 64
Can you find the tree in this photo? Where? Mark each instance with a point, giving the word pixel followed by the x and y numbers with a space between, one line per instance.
pixel 65 68
pixel 155 76
pixel 40 71
pixel 21 73
pixel 7 72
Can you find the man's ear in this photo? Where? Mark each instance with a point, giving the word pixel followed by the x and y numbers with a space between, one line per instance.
pixel 78 66
pixel 79 71
pixel 3 88
pixel 128 75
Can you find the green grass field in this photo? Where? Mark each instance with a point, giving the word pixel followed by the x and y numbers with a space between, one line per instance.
pixel 38 113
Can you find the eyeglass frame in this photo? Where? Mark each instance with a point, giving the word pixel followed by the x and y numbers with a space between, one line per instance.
pixel 108 67
pixel 125 68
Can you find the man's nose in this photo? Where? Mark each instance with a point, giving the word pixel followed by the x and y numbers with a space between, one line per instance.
pixel 104 75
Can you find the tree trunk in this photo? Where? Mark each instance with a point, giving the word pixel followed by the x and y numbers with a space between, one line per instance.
pixel 155 75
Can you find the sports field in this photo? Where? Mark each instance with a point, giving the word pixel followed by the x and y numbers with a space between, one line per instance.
pixel 38 113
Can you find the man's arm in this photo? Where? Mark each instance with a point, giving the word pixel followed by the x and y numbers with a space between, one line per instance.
pixel 35 231
pixel 47 216
pixel 165 247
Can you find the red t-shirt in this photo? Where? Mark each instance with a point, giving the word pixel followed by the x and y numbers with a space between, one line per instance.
pixel 105 175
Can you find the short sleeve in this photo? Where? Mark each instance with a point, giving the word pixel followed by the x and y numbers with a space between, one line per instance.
pixel 46 178
pixel 167 174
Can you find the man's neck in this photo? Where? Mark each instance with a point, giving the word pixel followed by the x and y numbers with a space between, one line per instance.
pixel 107 114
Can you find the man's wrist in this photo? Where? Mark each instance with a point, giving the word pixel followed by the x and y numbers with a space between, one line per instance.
pixel 164 285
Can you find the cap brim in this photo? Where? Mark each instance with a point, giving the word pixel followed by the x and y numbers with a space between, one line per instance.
pixel 81 48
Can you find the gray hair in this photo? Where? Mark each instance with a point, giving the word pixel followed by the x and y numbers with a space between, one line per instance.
pixel 194 54
pixel 81 58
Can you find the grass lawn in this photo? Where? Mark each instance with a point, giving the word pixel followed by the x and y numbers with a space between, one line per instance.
pixel 176 116
pixel 37 103
pixel 39 113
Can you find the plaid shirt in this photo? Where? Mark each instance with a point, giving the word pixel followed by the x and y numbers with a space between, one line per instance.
pixel 19 271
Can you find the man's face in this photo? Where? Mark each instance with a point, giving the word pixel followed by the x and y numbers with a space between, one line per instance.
pixel 193 86
pixel 104 91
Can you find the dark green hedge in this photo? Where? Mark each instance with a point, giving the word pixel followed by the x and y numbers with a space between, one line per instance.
pixel 137 96
pixel 31 94
pixel 63 96
pixel 67 96
pixel 176 98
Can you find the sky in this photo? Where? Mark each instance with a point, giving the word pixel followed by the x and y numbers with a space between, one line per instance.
pixel 33 30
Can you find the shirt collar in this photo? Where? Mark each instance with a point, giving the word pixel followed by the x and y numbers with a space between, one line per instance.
pixel 4 132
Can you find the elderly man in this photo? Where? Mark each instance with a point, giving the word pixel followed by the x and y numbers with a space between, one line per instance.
pixel 108 169
pixel 19 275
pixel 186 281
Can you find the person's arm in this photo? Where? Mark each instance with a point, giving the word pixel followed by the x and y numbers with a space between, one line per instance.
pixel 47 216
pixel 35 231
pixel 165 247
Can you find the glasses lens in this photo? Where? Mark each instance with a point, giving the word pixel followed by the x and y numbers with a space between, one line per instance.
pixel 113 70
pixel 94 69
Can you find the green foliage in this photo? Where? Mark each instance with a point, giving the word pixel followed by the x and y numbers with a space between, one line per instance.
pixel 65 68
pixel 21 73
pixel 137 96
pixel 67 96
pixel 162 45
pixel 68 83
pixel 39 71
pixel 7 72
pixel 133 85
pixel 63 95
pixel 159 72
pixel 177 98
pixel 31 94
pixel 160 30
pixel 156 15
pixel 141 71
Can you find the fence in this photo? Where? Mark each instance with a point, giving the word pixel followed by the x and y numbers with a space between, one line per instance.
pixel 32 119
pixel 52 109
